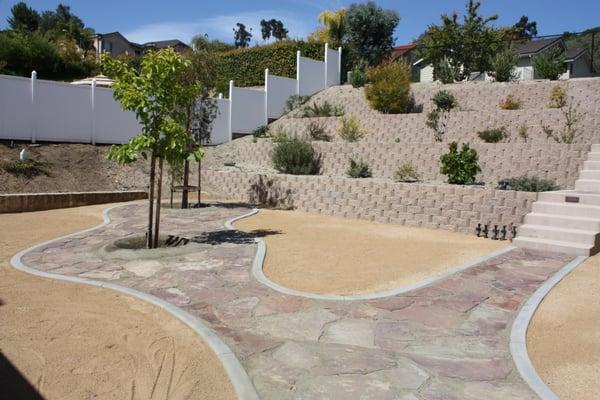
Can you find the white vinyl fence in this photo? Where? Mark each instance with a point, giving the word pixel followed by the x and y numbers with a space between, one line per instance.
pixel 38 110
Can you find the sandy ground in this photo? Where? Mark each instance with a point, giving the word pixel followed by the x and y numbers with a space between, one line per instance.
pixel 74 341
pixel 330 255
pixel 563 339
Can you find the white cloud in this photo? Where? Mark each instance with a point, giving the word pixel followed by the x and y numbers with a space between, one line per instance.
pixel 220 27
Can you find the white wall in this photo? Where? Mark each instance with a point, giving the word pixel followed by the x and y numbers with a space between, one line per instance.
pixel 310 75
pixel 279 89
pixel 333 67
pixel 15 108
pixel 248 109
pixel 221 132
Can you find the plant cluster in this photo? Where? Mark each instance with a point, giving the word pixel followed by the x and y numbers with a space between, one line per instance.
pixel 28 168
pixel 569 133
pixel 261 132
pixel 558 97
pixel 296 157
pixel 494 135
pixel 350 130
pixel 358 76
pixel 295 101
pixel 528 184
pixel 502 65
pixel 358 169
pixel 316 131
pixel 510 103
pixel 523 132
pixel 406 173
pixel 462 166
pixel 325 109
pixel 388 90
pixel 437 119
pixel 278 136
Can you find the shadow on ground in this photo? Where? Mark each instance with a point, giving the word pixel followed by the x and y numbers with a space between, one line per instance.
pixel 232 236
pixel 13 385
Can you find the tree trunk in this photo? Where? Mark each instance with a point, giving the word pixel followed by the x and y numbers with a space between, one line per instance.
pixel 158 199
pixel 149 242
pixel 199 182
pixel 186 179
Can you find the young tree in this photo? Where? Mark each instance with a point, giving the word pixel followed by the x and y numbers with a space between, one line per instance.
pixel 23 18
pixel 159 102
pixel 242 36
pixel 370 31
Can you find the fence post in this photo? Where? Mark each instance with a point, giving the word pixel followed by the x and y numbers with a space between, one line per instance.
pixel 266 96
pixel 93 103
pixel 230 110
pixel 326 58
pixel 34 108
pixel 298 72
pixel 339 77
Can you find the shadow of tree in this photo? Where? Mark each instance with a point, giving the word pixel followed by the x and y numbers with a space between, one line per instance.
pixel 232 236
pixel 267 192
pixel 13 384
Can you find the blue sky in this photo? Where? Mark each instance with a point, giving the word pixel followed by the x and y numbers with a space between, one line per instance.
pixel 148 20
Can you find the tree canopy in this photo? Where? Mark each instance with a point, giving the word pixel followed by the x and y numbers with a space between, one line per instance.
pixel 241 35
pixel 273 28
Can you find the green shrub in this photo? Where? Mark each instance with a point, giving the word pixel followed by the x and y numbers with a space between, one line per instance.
pixel 261 131
pixel 358 169
pixel 28 168
pixel 316 131
pixel 388 90
pixel 528 184
pixel 550 65
pixel 461 167
pixel 558 97
pixel 326 109
pixel 492 135
pixel 503 65
pixel 358 77
pixel 510 103
pixel 444 100
pixel 296 157
pixel 437 119
pixel 406 173
pixel 445 72
pixel 350 130
pixel 295 101
pixel 278 136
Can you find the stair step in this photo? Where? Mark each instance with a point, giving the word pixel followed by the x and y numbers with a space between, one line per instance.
pixel 595 165
pixel 587 185
pixel 570 209
pixel 589 174
pixel 589 224
pixel 561 196
pixel 593 156
pixel 557 246
pixel 595 148
pixel 559 233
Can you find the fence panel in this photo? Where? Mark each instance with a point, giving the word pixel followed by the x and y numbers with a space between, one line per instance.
pixel 247 109
pixel 16 111
pixel 220 126
pixel 279 90
pixel 311 75
pixel 333 67
pixel 112 124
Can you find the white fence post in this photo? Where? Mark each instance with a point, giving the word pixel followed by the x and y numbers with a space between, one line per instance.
pixel 93 103
pixel 267 96
pixel 298 72
pixel 230 109
pixel 339 65
pixel 34 113
pixel 326 69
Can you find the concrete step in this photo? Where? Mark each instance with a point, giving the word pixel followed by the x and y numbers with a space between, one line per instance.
pixel 594 165
pixel 561 197
pixel 557 246
pixel 561 234
pixel 595 148
pixel 587 185
pixel 569 209
pixel 593 156
pixel 562 221
pixel 589 174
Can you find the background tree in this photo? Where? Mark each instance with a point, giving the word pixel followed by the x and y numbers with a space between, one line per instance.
pixel 159 101
pixel 502 65
pixel 332 29
pixel 23 18
pixel 525 29
pixel 370 31
pixel 550 65
pixel 202 42
pixel 61 23
pixel 265 29
pixel 273 28
pixel 242 36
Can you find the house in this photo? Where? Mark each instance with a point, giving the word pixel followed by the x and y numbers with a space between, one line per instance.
pixel 578 61
pixel 116 44
pixel 404 52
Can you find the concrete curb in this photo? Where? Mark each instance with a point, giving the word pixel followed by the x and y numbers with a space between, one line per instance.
pixel 518 334
pixel 259 259
pixel 239 378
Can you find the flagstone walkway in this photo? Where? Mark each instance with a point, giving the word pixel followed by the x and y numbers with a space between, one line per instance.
pixel 449 340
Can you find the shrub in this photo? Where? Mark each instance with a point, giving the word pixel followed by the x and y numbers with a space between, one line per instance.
pixel 528 184
pixel 558 97
pixel 261 131
pixel 295 156
pixel 445 72
pixel 358 169
pixel 316 131
pixel 510 103
pixel 295 101
pixel 437 119
pixel 350 130
pixel 461 167
pixel 503 65
pixel 358 77
pixel 572 129
pixel 523 132
pixel 326 109
pixel 28 168
pixel 388 90
pixel 406 173
pixel 278 136
pixel 550 65
pixel 492 135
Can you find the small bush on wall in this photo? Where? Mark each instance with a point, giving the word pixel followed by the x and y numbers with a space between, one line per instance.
pixel 492 135
pixel 350 130
pixel 358 76
pixel 358 169
pixel 388 90
pixel 510 103
pixel 325 109
pixel 295 101
pixel 316 131
pixel 461 167
pixel 437 119
pixel 528 184
pixel 558 97
pixel 406 173
pixel 261 131
pixel 296 157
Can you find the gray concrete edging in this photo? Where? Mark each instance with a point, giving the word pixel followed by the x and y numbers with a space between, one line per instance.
pixel 259 259
pixel 518 334
pixel 240 380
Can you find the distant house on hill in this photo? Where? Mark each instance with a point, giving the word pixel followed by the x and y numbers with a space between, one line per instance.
pixel 116 44
pixel 578 60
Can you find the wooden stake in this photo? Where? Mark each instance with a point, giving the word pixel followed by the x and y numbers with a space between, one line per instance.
pixel 158 199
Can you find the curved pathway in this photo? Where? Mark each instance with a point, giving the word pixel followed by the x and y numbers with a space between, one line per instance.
pixel 448 340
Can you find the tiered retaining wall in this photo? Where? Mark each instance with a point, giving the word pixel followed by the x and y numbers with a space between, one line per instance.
pixel 451 207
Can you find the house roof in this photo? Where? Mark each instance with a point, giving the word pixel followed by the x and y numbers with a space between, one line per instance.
pixel 536 46
pixel 402 49
pixel 574 53
pixel 160 44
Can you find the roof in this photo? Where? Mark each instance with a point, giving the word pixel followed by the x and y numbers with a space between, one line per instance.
pixel 402 49
pixel 536 46
pixel 160 44
pixel 574 53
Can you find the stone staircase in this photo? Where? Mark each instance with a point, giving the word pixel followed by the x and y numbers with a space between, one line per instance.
pixel 567 221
